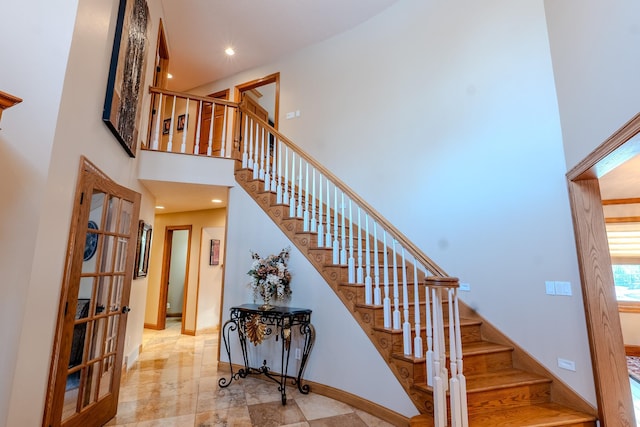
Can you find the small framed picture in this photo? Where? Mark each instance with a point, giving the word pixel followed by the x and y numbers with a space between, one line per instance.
pixel 182 122
pixel 214 252
pixel 166 126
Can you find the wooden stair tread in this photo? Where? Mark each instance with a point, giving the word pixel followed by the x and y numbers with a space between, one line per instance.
pixel 540 415
pixel 471 348
pixel 502 379
pixel 498 394
pixel 496 380
pixel 463 322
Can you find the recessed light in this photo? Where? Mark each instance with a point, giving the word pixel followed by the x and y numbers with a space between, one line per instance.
pixel 169 75
pixel 229 51
pixel 159 207
pixel 216 200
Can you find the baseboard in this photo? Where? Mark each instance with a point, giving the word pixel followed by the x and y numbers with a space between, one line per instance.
pixel 151 326
pixel 632 350
pixel 174 314
pixel 357 402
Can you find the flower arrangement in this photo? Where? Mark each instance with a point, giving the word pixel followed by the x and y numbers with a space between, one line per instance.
pixel 271 278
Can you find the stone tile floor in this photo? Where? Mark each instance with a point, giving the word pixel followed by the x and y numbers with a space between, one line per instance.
pixel 175 383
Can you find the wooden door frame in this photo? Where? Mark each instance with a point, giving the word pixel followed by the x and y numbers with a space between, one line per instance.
pixel 164 276
pixel 271 78
pixel 87 174
pixel 613 391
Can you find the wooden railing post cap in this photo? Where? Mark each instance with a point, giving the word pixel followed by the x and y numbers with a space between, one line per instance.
pixel 446 282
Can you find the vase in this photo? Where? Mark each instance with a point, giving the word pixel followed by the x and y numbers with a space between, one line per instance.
pixel 266 303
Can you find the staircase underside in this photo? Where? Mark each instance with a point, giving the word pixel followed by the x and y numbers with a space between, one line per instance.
pixel 498 393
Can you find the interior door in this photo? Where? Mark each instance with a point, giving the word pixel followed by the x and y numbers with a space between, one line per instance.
pixel 216 130
pixel 88 351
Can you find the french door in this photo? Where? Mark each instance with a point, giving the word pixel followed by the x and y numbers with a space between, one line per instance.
pixel 87 356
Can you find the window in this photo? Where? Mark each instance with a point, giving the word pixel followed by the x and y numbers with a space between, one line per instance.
pixel 626 278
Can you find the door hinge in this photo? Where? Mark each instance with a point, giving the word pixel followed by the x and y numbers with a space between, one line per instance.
pixel 66 306
pixel 81 197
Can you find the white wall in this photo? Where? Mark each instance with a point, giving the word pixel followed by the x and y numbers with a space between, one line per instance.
pixel 210 280
pixel 343 356
pixel 596 60
pixel 444 117
pixel 56 125
pixel 33 70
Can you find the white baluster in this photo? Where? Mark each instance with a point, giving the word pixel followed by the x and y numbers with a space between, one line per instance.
pixel 256 151
pixel 183 146
pixel 279 184
pixel 359 269
pixel 285 190
pixel 305 215
pixel 196 146
pixel 314 221
pixel 336 245
pixel 429 355
pixel 406 326
pixel 276 157
pixel 417 341
pixel 439 392
pixel 250 141
pixel 351 267
pixel 320 219
pixel 377 298
pixel 267 161
pixel 263 155
pixel 292 202
pixel 462 381
pixel 368 286
pixel 387 300
pixel 173 114
pixel 159 113
pixel 223 143
pixel 454 389
pixel 327 240
pixel 396 291
pixel 343 235
pixel 211 127
pixel 299 209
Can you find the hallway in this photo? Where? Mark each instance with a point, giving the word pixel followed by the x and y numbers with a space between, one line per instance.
pixel 175 383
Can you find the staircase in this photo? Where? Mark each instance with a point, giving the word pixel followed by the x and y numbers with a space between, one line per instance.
pixel 447 358
pixel 497 393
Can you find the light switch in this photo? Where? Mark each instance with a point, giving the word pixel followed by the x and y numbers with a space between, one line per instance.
pixel 550 287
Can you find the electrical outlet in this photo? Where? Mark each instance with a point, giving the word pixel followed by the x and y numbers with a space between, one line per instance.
pixel 168 305
pixel 465 287
pixel 298 354
pixel 290 115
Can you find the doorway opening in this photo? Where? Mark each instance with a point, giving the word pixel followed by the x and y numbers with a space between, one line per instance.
pixel 175 274
pixel 262 96
pixel 613 390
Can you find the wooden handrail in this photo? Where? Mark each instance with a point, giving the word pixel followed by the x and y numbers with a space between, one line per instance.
pixel 7 101
pixel 191 96
pixel 401 238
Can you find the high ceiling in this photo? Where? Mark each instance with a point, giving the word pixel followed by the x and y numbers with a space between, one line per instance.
pixel 260 31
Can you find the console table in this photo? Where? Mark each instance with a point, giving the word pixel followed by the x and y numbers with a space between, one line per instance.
pixel 281 321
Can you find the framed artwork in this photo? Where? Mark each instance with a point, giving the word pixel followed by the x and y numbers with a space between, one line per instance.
pixel 214 252
pixel 142 250
pixel 122 104
pixel 182 122
pixel 166 126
